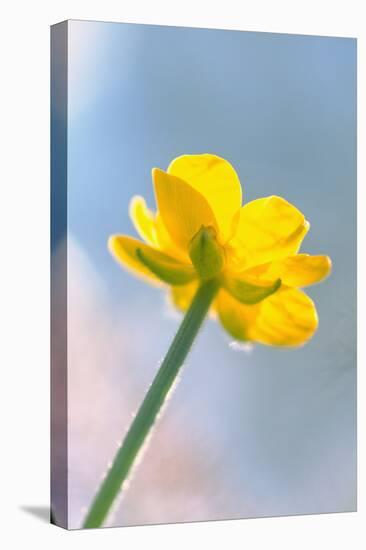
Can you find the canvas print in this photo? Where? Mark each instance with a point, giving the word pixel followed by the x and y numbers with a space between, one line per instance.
pixel 203 234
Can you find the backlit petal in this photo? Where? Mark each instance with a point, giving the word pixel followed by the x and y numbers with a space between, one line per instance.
pixel 287 318
pixel 143 219
pixel 296 271
pixel 217 181
pixel 166 244
pixel 236 318
pixel 145 261
pixel 183 210
pixel 269 229
pixel 151 228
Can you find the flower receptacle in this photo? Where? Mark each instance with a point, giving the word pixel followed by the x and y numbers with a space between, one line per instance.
pixel 207 256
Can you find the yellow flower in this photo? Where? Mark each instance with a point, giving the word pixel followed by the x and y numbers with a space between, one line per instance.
pixel 202 231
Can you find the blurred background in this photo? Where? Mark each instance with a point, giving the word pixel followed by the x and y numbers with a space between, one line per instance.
pixel 248 432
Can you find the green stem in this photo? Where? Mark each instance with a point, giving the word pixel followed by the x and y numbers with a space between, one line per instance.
pixel 154 399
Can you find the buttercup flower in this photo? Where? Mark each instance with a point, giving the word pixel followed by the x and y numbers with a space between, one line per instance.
pixel 212 252
pixel 201 231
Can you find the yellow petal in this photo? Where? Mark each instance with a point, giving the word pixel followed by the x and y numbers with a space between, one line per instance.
pixel 166 244
pixel 183 210
pixel 217 181
pixel 287 318
pixel 143 219
pixel 269 229
pixel 151 228
pixel 296 271
pixel 127 252
pixel 182 296
pixel 236 318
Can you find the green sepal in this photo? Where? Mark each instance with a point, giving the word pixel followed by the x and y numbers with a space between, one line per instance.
pixel 206 254
pixel 167 269
pixel 249 293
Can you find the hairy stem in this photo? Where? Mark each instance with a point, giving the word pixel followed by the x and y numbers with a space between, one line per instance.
pixel 151 405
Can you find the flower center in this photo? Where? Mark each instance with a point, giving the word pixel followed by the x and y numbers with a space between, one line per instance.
pixel 207 255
